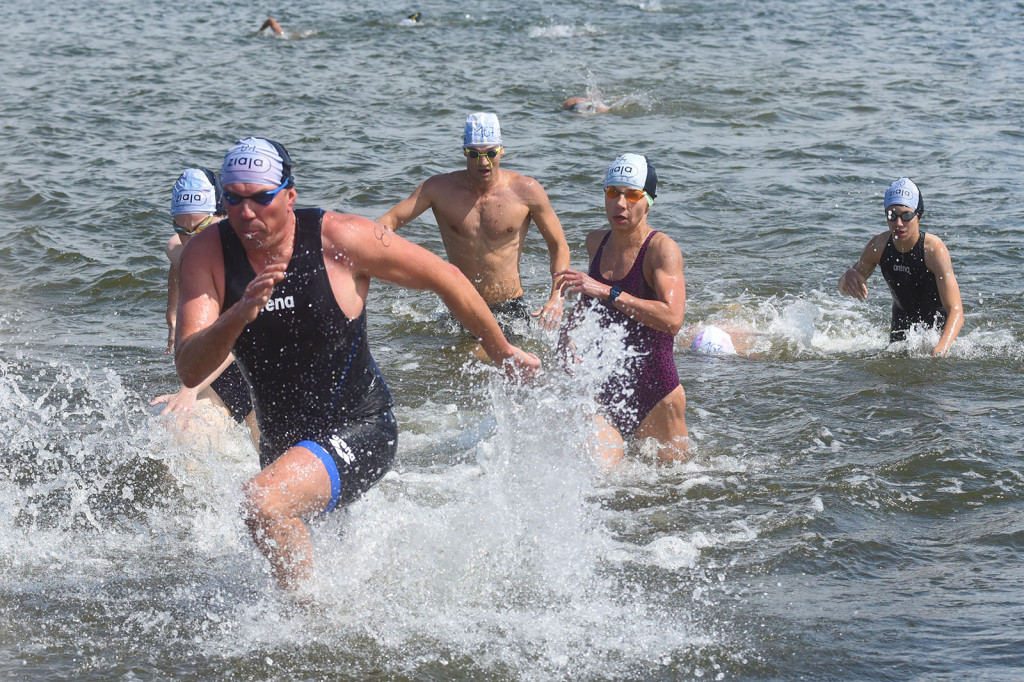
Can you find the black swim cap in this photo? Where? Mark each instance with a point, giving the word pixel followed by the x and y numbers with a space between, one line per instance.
pixel 651 184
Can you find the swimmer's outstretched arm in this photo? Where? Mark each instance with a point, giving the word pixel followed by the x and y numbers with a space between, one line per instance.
pixel 409 208
pixel 853 282
pixel 185 399
pixel 373 252
pixel 171 315
pixel 272 24
pixel 550 229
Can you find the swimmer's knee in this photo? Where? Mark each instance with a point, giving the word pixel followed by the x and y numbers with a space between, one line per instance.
pixel 258 507
pixel 676 449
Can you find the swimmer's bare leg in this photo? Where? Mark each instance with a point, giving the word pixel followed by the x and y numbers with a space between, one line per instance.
pixel 666 423
pixel 296 484
pixel 254 429
pixel 607 446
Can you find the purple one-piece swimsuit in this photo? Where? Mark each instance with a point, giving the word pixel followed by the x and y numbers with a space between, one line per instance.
pixel 651 376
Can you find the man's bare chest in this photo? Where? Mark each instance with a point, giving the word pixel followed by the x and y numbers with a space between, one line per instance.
pixel 491 219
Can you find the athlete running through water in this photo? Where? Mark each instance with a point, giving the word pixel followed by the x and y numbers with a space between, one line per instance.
pixel 286 290
pixel 916 266
pixel 484 213
pixel 636 273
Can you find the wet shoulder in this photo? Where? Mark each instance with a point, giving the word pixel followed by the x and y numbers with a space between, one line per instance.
pixel 875 247
pixel 173 249
pixel 338 227
pixel 936 255
pixel 526 187
pixel 662 241
pixel 663 250
pixel 594 240
pixel 932 242
pixel 445 182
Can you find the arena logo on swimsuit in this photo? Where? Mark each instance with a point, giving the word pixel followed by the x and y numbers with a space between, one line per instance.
pixel 901 268
pixel 343 450
pixel 280 303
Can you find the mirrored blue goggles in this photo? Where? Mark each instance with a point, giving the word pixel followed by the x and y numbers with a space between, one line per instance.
pixel 261 198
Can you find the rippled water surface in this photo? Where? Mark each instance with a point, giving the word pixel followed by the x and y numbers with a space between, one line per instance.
pixel 852 511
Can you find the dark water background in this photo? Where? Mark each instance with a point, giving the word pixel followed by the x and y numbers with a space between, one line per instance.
pixel 852 511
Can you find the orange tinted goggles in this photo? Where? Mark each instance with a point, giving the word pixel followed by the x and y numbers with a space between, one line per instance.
pixel 632 195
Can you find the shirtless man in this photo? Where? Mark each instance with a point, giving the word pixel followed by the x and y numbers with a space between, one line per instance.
pixel 484 213
pixel 916 266
pixel 285 289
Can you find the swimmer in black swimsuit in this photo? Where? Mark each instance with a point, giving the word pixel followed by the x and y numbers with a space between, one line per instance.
pixel 286 290
pixel 195 205
pixel 916 266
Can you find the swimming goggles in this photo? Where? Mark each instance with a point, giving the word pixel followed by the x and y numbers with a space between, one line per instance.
pixel 262 198
pixel 205 223
pixel 906 216
pixel 632 195
pixel 476 153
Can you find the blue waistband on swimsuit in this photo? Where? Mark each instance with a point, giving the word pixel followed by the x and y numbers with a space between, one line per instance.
pixel 332 471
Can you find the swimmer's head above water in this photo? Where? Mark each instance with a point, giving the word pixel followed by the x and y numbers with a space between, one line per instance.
pixel 904 192
pixel 635 172
pixel 197 190
pixel 482 130
pixel 584 105
pixel 256 160
pixel 713 341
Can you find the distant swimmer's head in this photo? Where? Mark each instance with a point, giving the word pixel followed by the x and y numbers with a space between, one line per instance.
pixel 904 192
pixel 413 18
pixel 633 171
pixel 258 161
pixel 583 105
pixel 482 130
pixel 713 341
pixel 197 190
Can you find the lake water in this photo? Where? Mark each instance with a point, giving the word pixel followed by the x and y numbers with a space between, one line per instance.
pixel 852 511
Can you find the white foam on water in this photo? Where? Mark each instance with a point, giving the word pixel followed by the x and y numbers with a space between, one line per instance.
pixel 820 324
pixel 504 559
pixel 93 484
pixel 560 31
pixel 498 550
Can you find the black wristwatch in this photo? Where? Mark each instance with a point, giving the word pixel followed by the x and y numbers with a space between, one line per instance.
pixel 613 294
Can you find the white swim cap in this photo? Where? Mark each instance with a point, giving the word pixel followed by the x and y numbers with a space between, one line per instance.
pixel 904 192
pixel 482 129
pixel 635 171
pixel 713 341
pixel 195 191
pixel 256 160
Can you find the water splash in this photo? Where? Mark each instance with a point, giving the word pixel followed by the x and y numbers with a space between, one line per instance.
pixel 497 555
